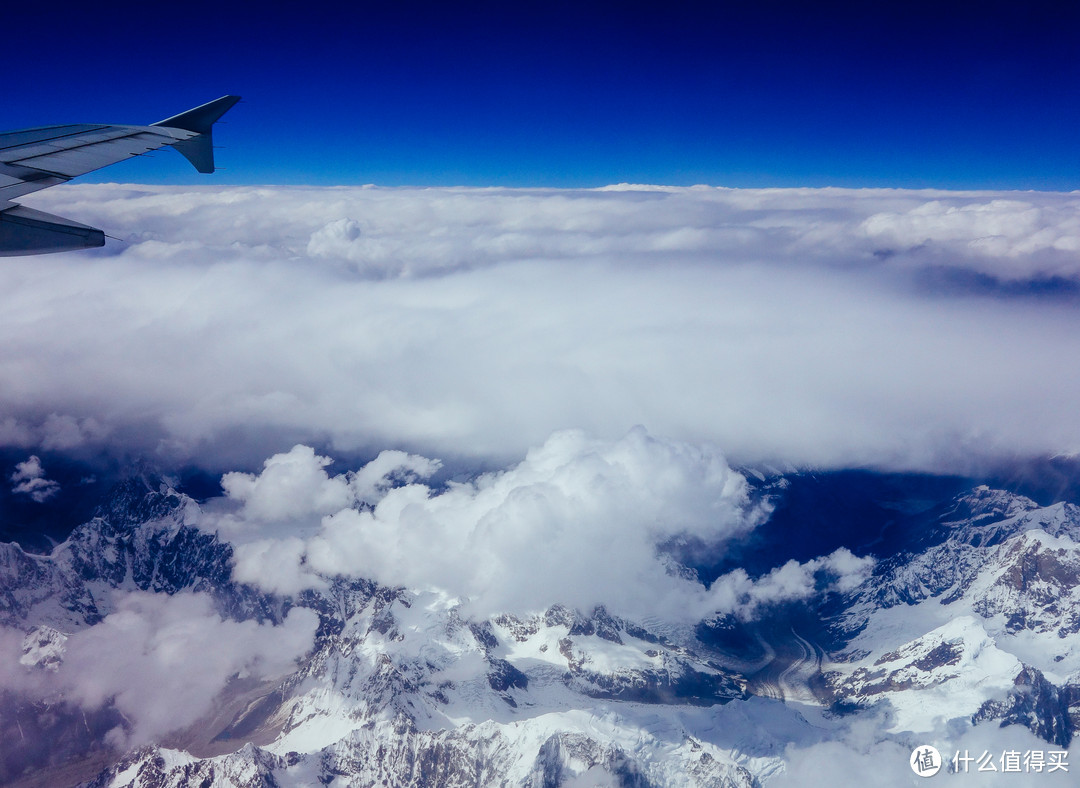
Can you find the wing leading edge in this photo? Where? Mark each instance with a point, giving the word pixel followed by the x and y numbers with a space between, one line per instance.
pixel 34 159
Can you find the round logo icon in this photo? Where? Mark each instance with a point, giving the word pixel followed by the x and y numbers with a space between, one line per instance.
pixel 925 760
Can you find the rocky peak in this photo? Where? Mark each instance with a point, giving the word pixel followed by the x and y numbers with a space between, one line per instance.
pixel 1050 712
pixel 117 550
pixel 43 647
pixel 141 499
pixel 984 504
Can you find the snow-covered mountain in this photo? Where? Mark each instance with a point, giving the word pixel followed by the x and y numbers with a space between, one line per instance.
pixel 973 621
pixel 982 622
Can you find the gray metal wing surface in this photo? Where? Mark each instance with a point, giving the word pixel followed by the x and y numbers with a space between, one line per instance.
pixel 34 159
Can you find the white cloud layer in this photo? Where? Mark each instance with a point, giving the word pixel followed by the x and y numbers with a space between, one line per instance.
pixel 817 326
pixel 577 522
pixel 737 593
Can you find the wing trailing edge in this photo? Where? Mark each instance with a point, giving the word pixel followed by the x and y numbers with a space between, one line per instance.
pixel 27 231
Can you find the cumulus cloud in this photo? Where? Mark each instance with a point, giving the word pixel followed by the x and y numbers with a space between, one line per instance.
pixel 805 325
pixel 840 571
pixel 290 485
pixel 161 660
pixel 296 483
pixel 1004 237
pixel 294 489
pixel 29 479
pixel 578 521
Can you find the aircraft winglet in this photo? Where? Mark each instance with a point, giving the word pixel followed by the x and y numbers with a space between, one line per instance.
pixel 199 150
pixel 202 118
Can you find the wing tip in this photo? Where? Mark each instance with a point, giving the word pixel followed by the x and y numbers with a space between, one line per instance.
pixel 202 118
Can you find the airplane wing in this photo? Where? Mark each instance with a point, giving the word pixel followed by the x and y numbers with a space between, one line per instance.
pixel 34 159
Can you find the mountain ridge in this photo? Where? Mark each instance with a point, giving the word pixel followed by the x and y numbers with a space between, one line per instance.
pixel 398 686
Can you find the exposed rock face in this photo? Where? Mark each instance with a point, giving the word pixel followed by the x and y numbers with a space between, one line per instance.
pixel 1051 713
pixel 120 549
pixel 997 581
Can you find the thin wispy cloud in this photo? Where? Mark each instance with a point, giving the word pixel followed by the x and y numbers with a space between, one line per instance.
pixel 160 659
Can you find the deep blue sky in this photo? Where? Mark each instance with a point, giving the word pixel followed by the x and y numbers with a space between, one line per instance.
pixel 982 95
